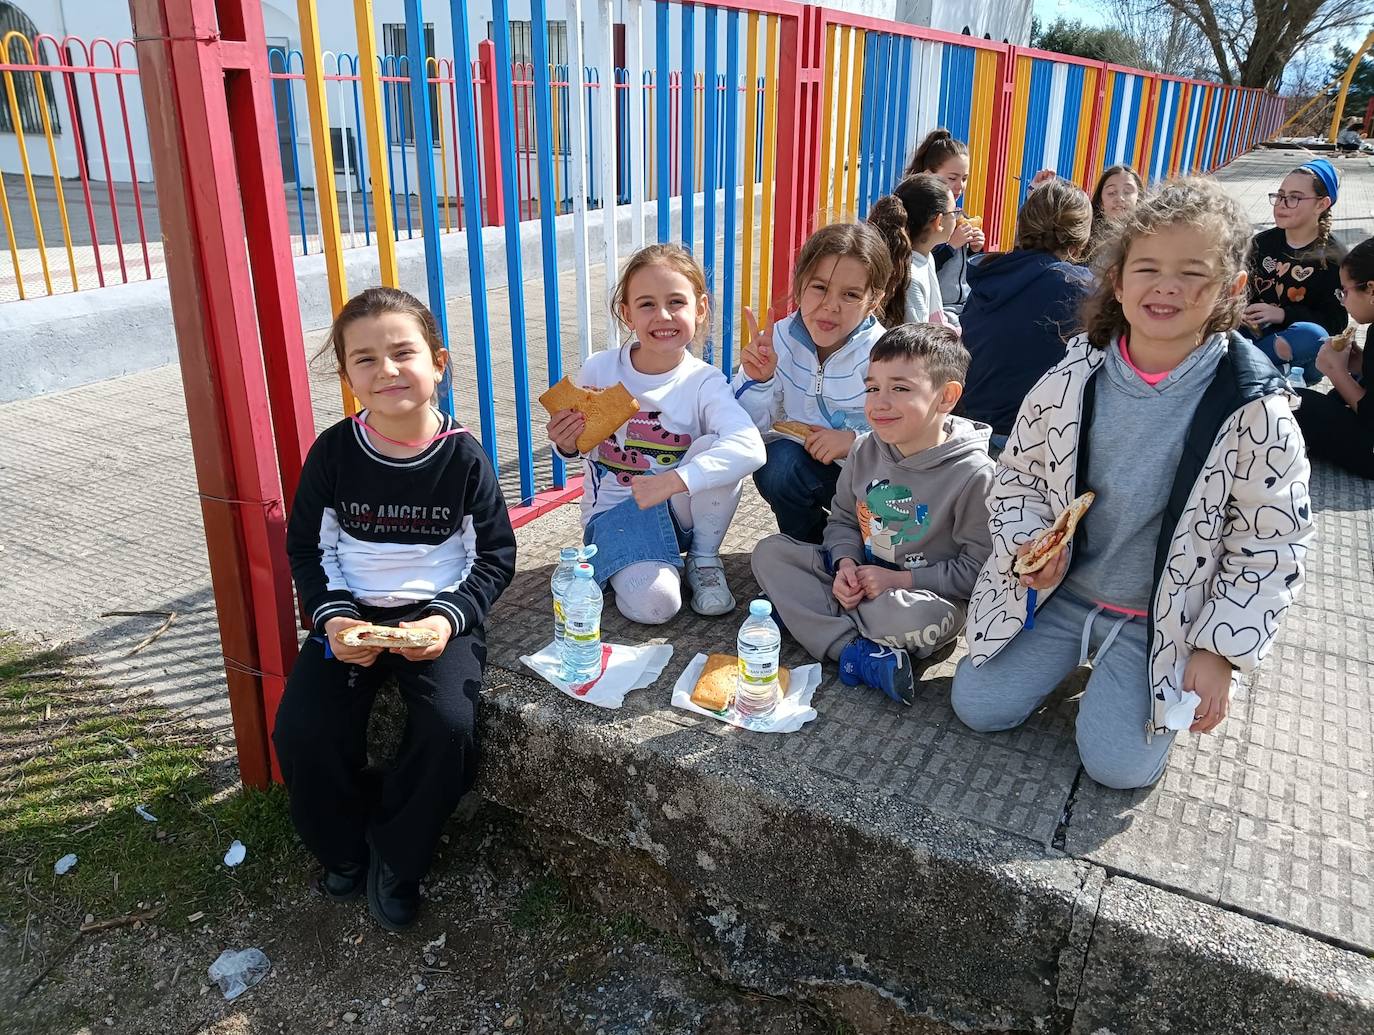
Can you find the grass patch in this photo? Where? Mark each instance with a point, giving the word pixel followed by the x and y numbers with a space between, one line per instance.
pixel 548 907
pixel 75 759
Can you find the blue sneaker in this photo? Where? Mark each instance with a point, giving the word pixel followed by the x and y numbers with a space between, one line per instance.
pixel 865 663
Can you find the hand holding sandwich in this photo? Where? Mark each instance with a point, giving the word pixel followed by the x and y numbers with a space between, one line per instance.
pixel 1047 577
pixel 358 655
pixel 439 625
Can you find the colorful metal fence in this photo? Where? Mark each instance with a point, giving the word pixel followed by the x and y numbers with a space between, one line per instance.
pixel 1019 110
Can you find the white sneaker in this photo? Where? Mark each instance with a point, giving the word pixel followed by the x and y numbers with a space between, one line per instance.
pixel 710 594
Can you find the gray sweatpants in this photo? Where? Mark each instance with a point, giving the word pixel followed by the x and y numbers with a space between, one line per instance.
pixel 793 575
pixel 1002 692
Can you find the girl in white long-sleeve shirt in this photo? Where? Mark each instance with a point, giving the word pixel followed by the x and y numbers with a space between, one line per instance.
pixel 669 479
pixel 915 218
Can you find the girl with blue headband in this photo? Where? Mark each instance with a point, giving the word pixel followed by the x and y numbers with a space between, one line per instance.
pixel 1294 272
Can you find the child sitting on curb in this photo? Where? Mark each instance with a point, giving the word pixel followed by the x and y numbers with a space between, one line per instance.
pixel 908 525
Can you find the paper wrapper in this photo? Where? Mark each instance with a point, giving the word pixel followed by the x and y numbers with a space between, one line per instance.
pixel 792 713
pixel 622 669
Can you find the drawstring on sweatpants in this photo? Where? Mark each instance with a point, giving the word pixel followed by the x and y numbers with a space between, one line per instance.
pixel 1088 631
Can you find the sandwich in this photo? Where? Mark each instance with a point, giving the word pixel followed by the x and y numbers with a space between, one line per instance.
pixel 974 221
pixel 715 690
pixel 605 409
pixel 797 429
pixel 1047 545
pixel 387 636
pixel 1340 342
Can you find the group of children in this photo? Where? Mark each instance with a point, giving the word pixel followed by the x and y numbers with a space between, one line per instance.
pixel 898 530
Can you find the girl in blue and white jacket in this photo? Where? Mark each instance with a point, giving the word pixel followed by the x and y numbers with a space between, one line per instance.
pixel 808 369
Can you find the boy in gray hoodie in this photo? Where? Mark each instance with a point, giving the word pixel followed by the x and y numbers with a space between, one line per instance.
pixel 908 527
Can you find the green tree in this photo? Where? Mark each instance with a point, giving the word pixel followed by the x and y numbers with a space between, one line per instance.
pixel 1064 36
pixel 1361 86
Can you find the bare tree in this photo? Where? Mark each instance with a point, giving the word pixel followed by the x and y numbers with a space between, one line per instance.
pixel 1165 40
pixel 1252 41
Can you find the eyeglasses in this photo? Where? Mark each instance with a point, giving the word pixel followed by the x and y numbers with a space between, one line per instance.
pixel 1342 291
pixel 1290 200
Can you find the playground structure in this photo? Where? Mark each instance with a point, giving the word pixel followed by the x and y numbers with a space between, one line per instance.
pixel 837 123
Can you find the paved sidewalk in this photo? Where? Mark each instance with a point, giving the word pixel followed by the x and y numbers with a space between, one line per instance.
pixel 1271 817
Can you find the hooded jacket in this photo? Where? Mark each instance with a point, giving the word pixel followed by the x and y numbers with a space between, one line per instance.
pixel 1022 308
pixel 802 388
pixel 1228 562
pixel 926 512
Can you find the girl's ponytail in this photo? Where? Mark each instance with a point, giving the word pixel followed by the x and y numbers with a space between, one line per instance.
pixel 938 147
pixel 888 217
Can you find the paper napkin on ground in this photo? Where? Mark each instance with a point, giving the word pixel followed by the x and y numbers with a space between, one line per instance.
pixel 622 669
pixel 792 713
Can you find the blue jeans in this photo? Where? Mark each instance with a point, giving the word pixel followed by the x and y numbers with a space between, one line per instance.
pixel 1304 341
pixel 798 488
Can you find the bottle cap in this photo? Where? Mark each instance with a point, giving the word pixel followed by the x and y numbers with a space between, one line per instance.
pixel 760 608
pixel 587 552
pixel 584 571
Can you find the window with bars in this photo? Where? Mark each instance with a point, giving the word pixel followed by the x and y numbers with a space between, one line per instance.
pixel 397 95
pixel 522 58
pixel 27 85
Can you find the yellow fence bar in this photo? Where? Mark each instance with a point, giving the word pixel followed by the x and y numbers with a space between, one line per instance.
pixel 1016 150
pixel 24 151
pixel 316 104
pixel 980 130
pixel 826 171
pixel 843 113
pixel 751 123
pixel 1104 132
pixel 370 79
pixel 698 128
pixel 9 234
pixel 856 85
pixel 556 136
pixel 443 147
pixel 1085 127
pixel 770 155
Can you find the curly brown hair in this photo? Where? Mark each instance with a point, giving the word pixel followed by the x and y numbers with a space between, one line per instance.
pixel 1056 217
pixel 1194 201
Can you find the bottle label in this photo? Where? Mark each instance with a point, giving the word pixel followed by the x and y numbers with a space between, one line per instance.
pixel 758 673
pixel 579 632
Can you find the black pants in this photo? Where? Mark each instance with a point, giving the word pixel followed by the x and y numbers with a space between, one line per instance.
pixel 1333 432
pixel 321 741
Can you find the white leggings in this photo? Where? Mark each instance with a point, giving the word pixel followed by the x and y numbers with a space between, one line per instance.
pixel 649 592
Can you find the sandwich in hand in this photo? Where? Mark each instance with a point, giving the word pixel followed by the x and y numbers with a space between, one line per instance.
pixel 793 429
pixel 605 409
pixel 1047 545
pixel 387 636
pixel 715 690
pixel 1340 342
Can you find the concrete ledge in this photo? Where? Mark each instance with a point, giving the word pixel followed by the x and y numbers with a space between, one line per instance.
pixel 898 919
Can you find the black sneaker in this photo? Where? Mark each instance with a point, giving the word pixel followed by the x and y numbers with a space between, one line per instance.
pixel 345 883
pixel 393 902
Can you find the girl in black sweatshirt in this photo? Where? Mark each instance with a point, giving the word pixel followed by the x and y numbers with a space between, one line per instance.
pixel 398 520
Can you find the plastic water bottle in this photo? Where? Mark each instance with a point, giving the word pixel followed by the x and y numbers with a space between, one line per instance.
pixel 568 558
pixel 582 627
pixel 758 647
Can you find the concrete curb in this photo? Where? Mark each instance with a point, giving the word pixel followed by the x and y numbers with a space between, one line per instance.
pixel 893 916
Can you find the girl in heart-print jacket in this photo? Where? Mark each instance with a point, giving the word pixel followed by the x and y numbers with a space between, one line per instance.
pixel 1235 529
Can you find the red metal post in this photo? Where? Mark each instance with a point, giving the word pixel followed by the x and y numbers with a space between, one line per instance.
pixel 799 120
pixel 1095 163
pixel 487 119
pixel 1003 97
pixel 199 60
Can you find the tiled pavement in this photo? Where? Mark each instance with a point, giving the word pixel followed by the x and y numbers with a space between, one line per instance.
pixel 1271 816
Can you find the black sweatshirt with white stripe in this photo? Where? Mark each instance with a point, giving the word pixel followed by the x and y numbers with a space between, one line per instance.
pixel 430 531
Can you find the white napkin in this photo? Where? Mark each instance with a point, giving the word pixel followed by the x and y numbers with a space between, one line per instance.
pixel 792 713
pixel 623 669
pixel 1179 715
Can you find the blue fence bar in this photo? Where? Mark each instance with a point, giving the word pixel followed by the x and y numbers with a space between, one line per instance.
pixel 429 196
pixel 662 167
pixel 505 105
pixel 294 137
pixel 710 123
pixel 732 163
pixel 548 235
pixel 866 124
pixel 687 136
pixel 472 222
